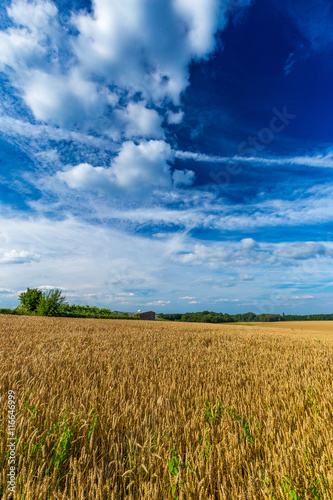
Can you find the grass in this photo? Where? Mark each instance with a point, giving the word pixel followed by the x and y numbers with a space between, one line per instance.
pixel 112 410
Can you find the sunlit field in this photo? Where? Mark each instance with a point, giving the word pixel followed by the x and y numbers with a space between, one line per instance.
pixel 325 328
pixel 116 409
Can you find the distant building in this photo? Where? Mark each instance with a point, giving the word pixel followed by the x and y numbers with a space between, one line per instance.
pixel 147 315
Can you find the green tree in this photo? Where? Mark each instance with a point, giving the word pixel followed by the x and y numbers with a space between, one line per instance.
pixel 30 299
pixel 250 316
pixel 51 303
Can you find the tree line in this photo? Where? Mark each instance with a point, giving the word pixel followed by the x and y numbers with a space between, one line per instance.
pixel 53 303
pixel 35 302
pixel 213 317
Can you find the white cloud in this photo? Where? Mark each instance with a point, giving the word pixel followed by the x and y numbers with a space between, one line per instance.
pixel 249 244
pixel 122 44
pixel 175 118
pixel 18 257
pixel 17 45
pixel 216 256
pixel 109 75
pixel 136 120
pixel 158 303
pixel 183 177
pixel 34 15
pixel 127 44
pixel 62 99
pixel 189 155
pixel 111 267
pixel 302 297
pixel 321 160
pixel 26 45
pixel 201 210
pixel 302 251
pixel 249 253
pixel 226 300
pixel 246 277
pixel 50 287
pixel 136 169
pixel 79 257
pixel 41 133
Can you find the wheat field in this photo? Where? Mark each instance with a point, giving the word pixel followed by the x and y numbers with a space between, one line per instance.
pixel 115 409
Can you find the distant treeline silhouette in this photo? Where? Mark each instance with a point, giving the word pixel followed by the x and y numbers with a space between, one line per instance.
pixel 213 317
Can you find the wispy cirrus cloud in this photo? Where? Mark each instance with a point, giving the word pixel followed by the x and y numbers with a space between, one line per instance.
pixel 126 270
pixel 324 160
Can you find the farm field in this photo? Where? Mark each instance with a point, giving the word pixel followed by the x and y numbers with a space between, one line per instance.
pixel 116 409
pixel 323 327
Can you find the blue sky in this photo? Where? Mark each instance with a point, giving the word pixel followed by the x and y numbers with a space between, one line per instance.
pixel 173 155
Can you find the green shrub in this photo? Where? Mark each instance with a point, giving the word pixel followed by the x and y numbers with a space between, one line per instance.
pixel 6 310
pixel 30 299
pixel 51 303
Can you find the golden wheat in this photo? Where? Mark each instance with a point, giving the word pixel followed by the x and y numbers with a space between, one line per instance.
pixel 109 409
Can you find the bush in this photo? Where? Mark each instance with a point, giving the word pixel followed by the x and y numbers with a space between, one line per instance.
pixel 51 303
pixel 30 299
pixel 6 310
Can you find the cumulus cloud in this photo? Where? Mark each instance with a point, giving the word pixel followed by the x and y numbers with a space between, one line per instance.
pixel 249 253
pixel 18 257
pixel 183 177
pixel 113 71
pixel 136 120
pixel 137 169
pixel 33 34
pixel 128 45
pixel 249 244
pixel 62 99
pixel 119 45
pixel 175 118
pixel 302 251
pixel 216 256
pixel 35 15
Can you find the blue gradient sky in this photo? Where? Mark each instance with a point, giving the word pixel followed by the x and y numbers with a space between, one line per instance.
pixel 174 156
